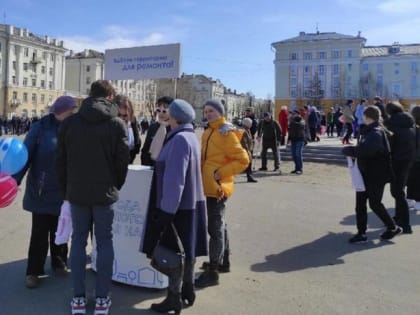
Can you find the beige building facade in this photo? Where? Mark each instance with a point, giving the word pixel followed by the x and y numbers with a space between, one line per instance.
pixel 325 69
pixel 32 70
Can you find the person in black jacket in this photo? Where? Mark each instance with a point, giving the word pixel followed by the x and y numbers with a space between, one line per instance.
pixel 91 164
pixel 126 113
pixel 373 158
pixel 403 151
pixel 297 140
pixel 156 132
pixel 270 132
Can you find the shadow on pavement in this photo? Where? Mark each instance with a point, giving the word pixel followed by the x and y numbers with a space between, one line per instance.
pixel 325 251
pixel 53 295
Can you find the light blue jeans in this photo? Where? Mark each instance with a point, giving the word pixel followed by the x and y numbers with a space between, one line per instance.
pixel 102 218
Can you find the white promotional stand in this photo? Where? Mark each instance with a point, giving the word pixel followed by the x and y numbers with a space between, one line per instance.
pixel 130 211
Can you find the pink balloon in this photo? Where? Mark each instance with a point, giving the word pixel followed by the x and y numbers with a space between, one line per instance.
pixel 8 190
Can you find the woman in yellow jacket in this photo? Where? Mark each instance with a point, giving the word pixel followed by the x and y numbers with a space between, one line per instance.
pixel 222 157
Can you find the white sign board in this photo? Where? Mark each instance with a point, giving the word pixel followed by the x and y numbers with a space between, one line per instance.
pixel 146 62
pixel 130 211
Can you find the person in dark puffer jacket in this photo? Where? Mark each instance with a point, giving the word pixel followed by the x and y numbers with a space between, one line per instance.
pixel 373 159
pixel 403 150
pixel 92 160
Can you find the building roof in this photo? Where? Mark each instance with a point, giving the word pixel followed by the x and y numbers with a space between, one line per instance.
pixel 87 53
pixel 388 50
pixel 319 36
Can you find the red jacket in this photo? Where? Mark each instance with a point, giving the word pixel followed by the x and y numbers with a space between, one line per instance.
pixel 284 121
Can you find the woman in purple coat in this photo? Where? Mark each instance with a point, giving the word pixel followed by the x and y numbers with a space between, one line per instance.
pixel 177 197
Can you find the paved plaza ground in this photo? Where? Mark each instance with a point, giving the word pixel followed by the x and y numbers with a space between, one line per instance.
pixel 289 256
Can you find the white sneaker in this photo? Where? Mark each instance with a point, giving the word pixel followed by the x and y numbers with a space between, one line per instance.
pixel 102 305
pixel 78 306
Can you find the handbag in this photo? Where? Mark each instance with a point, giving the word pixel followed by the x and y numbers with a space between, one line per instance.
pixel 356 177
pixel 167 260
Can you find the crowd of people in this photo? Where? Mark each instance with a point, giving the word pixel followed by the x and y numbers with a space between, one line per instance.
pixel 80 159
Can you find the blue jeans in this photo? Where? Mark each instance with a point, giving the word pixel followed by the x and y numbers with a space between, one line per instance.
pixel 297 147
pixel 102 218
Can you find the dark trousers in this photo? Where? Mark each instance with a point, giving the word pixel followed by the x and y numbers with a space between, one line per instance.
pixel 339 127
pixel 349 131
pixel 401 169
pixel 330 129
pixel 217 228
pixel 273 146
pixel 374 194
pixel 43 231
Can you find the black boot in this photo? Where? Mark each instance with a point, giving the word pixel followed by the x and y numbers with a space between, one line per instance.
pixel 251 179
pixel 208 278
pixel 188 294
pixel 225 266
pixel 172 303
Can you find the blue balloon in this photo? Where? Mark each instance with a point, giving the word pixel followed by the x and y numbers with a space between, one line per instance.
pixel 13 155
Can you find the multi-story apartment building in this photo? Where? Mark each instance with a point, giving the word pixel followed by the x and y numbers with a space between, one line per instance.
pixel 197 88
pixel 325 69
pixel 85 67
pixel 32 71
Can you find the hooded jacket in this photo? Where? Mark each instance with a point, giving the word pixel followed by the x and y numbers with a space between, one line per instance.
pixel 222 153
pixel 92 154
pixel 403 141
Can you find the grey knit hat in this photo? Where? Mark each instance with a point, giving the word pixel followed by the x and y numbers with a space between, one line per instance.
pixel 216 104
pixel 181 111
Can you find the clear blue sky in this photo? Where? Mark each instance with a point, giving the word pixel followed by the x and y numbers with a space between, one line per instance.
pixel 228 40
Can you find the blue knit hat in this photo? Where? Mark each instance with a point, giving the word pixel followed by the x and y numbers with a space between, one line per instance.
pixel 181 111
pixel 62 104
pixel 217 105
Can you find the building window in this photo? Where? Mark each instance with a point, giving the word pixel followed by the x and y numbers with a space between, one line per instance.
pixel 379 68
pixel 87 80
pixel 336 82
pixel 52 57
pixel 414 67
pixel 87 91
pixel 42 84
pixel 43 69
pixel 335 69
pixel 42 98
pixel 33 82
pixel 349 67
pixel 14 80
pixel 51 71
pixel 349 53
pixel 413 81
pixel 293 82
pixel 26 52
pixel 25 81
pixel 307 82
pixel 322 55
pixel 25 97
pixel 16 50
pixel 292 70
pixel 307 56
pixel 25 66
pixel 50 85
pixel 321 69
pixel 293 92
pixel 307 70
pixel 33 98
pixel 336 54
pixel 14 65
pixel 365 67
pixel 44 55
pixel 87 68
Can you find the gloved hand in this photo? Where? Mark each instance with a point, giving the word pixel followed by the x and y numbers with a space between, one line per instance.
pixel 65 225
pixel 226 127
